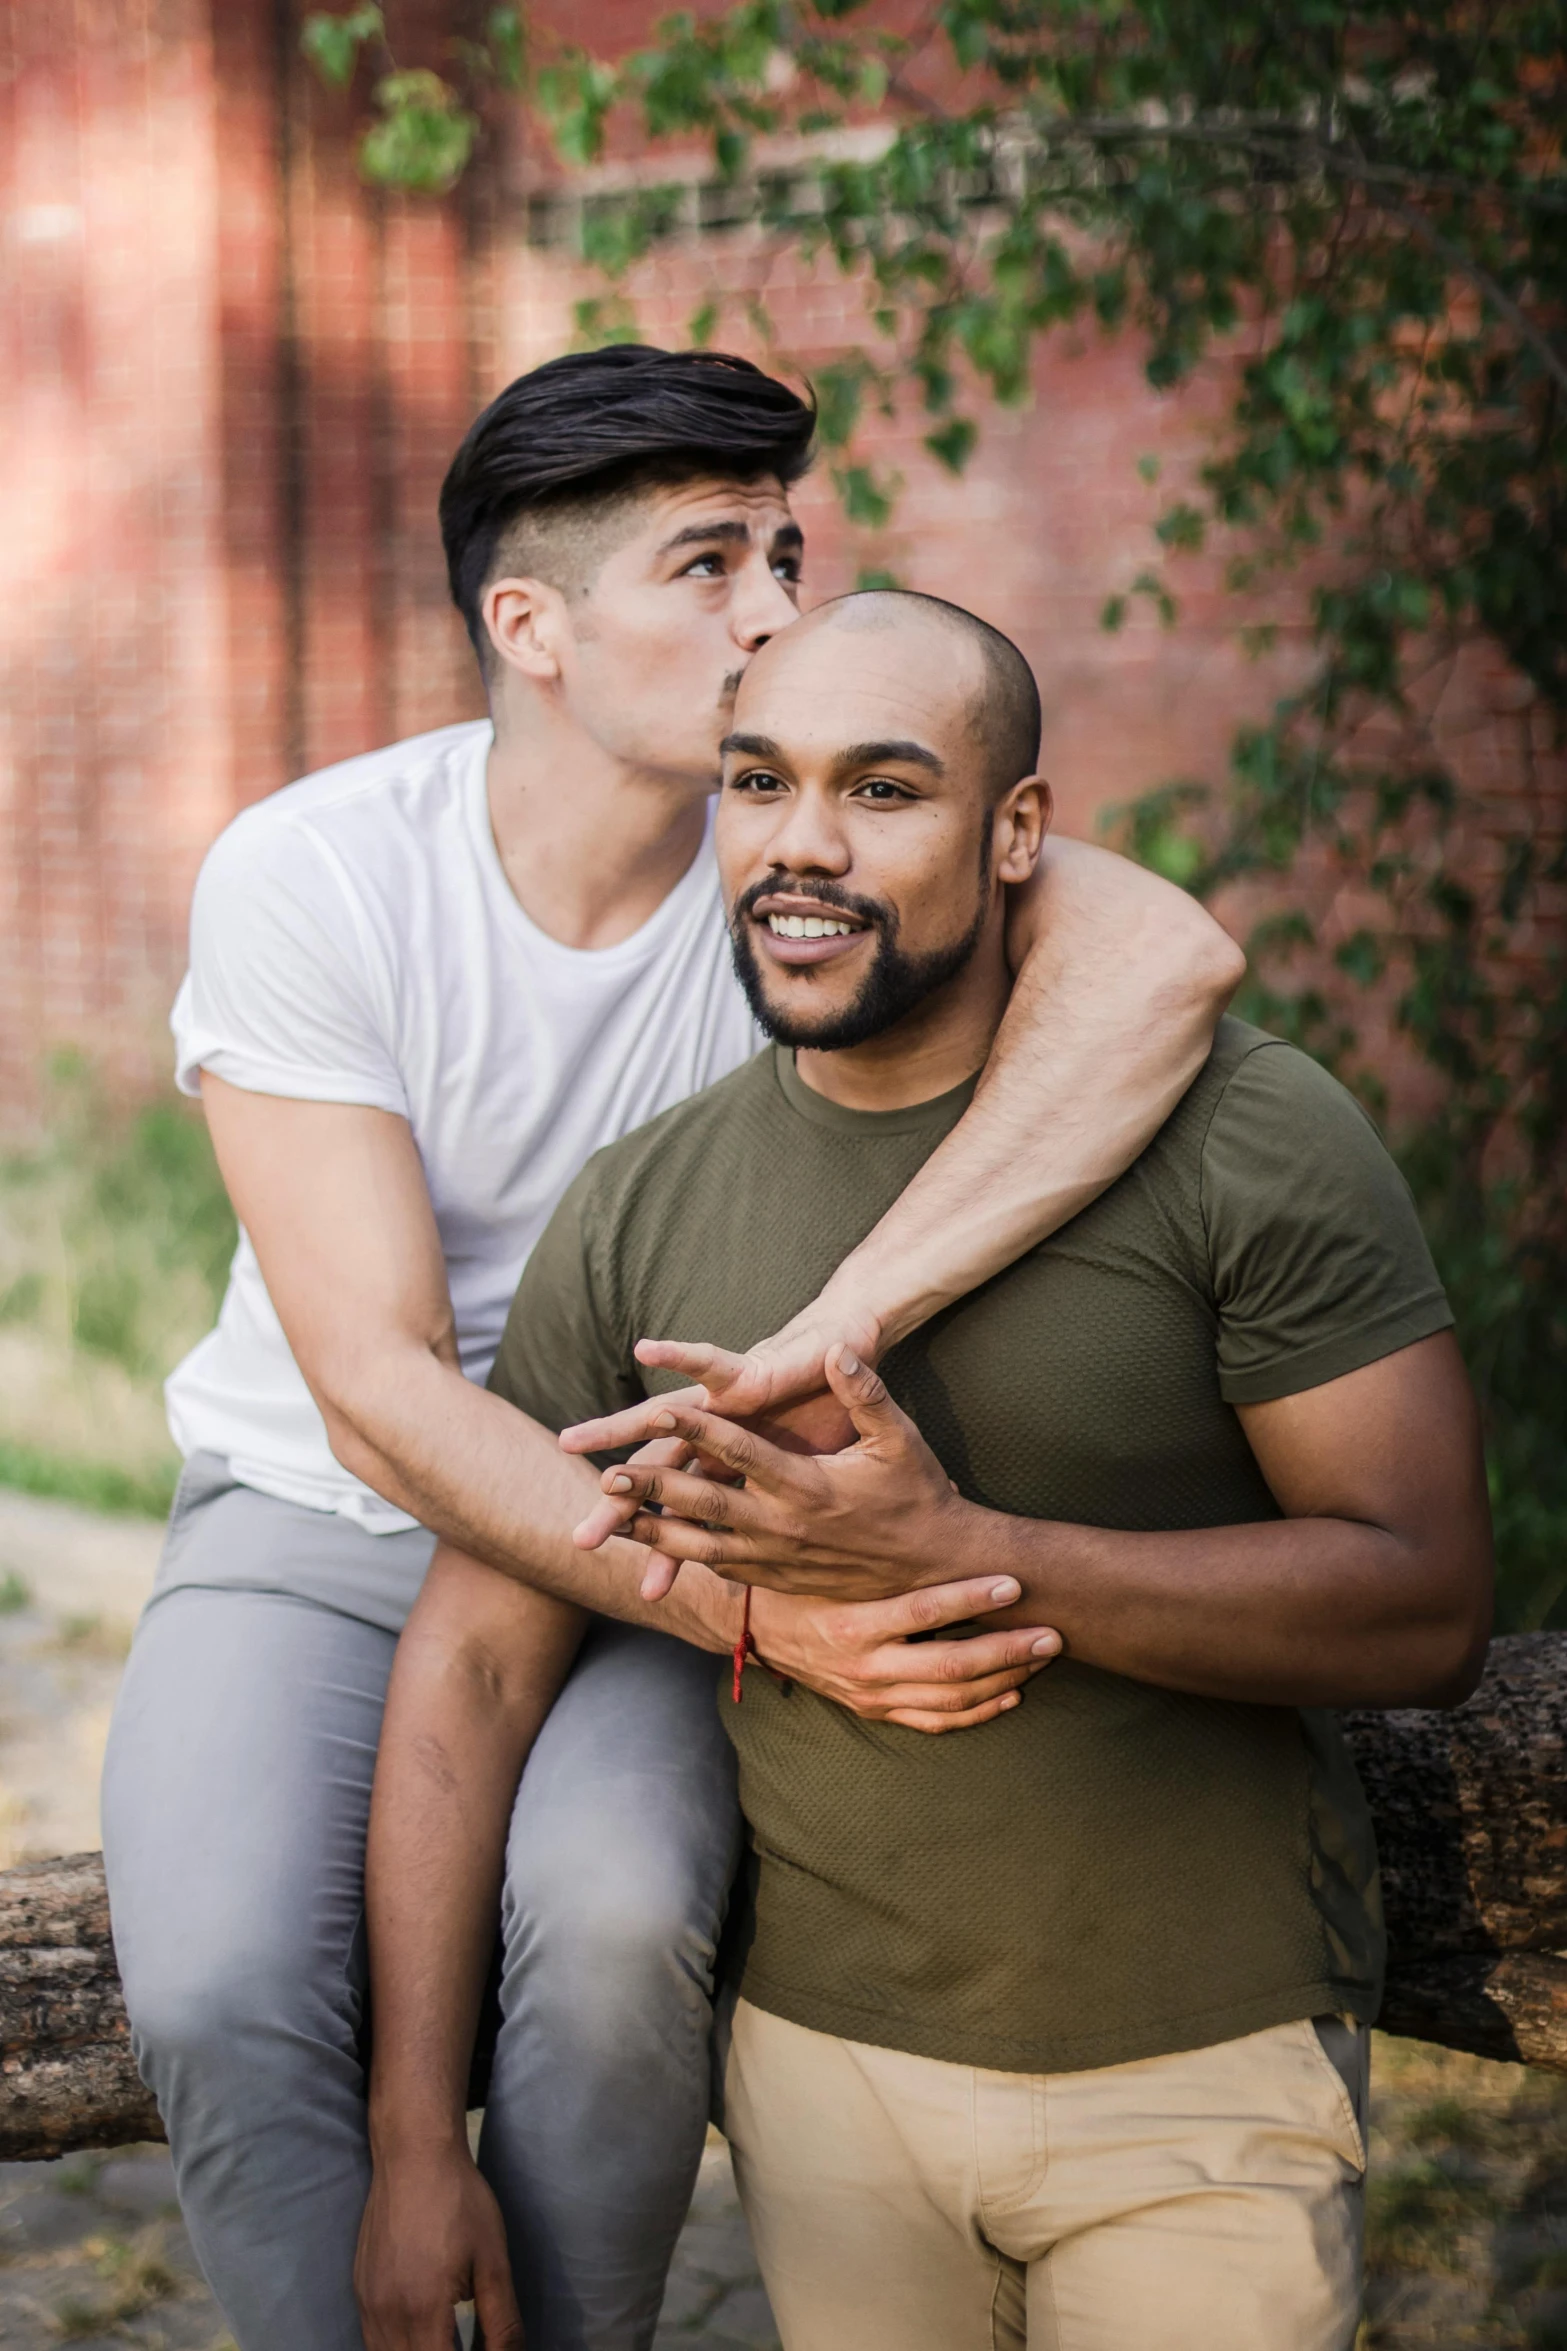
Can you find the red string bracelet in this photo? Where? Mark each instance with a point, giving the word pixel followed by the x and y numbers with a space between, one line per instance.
pixel 745 1647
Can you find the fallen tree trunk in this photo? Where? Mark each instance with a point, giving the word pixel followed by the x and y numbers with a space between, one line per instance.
pixel 67 2077
pixel 1471 1813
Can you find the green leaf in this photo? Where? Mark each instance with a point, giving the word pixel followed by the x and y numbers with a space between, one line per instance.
pixel 1363 957
pixel 503 31
pixel 865 499
pixel 702 325
pixel 332 43
pixel 424 139
pixel 867 579
pixel 953 442
pixel 1181 527
pixel 1149 468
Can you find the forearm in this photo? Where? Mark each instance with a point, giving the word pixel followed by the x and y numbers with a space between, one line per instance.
pixel 1290 1612
pixel 1121 980
pixel 496 1485
pixel 457 1730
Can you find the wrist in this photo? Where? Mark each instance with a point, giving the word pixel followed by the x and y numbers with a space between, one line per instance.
pixel 703 1608
pixel 851 1309
pixel 416 2130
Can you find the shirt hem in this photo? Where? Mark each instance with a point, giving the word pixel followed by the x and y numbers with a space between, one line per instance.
pixel 1351 1351
pixel 273 1077
pixel 1006 2053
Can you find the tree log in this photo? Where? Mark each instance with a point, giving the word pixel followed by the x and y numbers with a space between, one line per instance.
pixel 67 2077
pixel 1471 1814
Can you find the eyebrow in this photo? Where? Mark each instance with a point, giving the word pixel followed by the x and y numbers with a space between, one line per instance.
pixel 729 534
pixel 905 754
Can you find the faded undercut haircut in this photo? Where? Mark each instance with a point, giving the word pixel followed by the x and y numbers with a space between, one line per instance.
pixel 1006 714
pixel 545 473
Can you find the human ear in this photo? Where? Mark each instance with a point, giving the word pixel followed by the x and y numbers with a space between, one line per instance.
pixel 1021 823
pixel 526 620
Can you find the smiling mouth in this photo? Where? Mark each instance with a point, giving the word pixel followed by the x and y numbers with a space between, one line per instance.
pixel 810 926
pixel 804 934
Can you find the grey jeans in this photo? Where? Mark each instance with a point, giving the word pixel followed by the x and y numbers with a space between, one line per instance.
pixel 236 1795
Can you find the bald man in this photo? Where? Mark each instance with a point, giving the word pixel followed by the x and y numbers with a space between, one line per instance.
pixel 1054 2033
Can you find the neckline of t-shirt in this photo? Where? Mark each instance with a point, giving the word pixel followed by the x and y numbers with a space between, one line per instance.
pixel 942 1110
pixel 642 942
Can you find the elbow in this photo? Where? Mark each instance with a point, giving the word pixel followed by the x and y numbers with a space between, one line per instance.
pixel 348 1407
pixel 1454 1650
pixel 1218 964
pixel 1458 1675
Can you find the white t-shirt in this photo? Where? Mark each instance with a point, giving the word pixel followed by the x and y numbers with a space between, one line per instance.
pixel 354 939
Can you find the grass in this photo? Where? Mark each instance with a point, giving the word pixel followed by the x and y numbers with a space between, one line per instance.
pixel 115 1240
pixel 136 2277
pixel 1466 2208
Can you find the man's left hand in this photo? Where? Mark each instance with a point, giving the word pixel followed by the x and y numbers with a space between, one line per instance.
pixel 879 1518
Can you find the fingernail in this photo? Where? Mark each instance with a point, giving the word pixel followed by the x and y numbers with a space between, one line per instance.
pixel 848 1363
pixel 1011 1699
pixel 1007 1589
pixel 663 1420
pixel 1046 1645
pixel 620 1483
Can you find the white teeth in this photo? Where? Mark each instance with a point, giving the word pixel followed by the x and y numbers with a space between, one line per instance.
pixel 807 926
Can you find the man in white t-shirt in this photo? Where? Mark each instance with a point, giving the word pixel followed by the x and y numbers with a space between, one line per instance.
pixel 424 986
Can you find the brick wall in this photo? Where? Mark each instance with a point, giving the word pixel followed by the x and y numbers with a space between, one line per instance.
pixel 232 378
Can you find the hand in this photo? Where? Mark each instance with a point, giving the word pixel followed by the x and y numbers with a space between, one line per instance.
pixel 867 1656
pixel 432 2236
pixel 796 1411
pixel 780 1385
pixel 865 1523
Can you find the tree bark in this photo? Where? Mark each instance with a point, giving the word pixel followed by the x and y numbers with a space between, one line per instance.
pixel 1471 1814
pixel 67 2077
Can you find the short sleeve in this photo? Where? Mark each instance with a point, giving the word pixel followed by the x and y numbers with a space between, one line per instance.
pixel 563 1356
pixel 1318 1260
pixel 282 995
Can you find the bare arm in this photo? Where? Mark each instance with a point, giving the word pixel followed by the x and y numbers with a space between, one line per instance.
pixel 1374 1589
pixel 477 1668
pixel 334 1200
pixel 1121 982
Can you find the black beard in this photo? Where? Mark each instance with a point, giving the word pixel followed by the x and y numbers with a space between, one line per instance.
pixel 894 986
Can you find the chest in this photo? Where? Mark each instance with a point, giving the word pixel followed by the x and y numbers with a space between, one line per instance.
pixel 1080 1384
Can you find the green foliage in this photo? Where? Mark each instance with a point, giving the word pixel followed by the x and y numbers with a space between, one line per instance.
pixel 333 43
pixel 115 1242
pixel 1362 208
pixel 424 137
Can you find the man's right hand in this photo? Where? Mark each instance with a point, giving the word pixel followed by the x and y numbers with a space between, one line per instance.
pixel 432 2237
pixel 878 1659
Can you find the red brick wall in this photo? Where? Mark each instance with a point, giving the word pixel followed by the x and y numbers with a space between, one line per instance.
pixel 230 381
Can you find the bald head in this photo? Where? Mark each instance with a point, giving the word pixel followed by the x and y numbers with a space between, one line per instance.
pixel 1004 710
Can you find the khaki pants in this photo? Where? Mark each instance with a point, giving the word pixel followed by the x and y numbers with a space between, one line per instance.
pixel 1209 2201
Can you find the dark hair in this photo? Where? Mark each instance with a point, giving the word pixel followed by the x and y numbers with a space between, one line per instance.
pixel 600 423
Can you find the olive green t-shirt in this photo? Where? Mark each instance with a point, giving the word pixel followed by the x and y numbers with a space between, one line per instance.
pixel 1112 1870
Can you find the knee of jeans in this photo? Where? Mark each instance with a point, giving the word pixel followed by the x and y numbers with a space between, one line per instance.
pixel 608 1930
pixel 194 2002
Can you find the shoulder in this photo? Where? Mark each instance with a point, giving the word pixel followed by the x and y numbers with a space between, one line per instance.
pixel 378 795
pixel 1270 1103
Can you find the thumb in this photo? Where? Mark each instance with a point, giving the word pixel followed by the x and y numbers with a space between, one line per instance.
pixel 863 1394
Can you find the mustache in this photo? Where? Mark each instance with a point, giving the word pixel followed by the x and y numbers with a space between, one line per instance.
pixel 731 686
pixel 825 893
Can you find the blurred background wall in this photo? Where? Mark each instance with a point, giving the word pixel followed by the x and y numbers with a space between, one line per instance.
pixel 232 377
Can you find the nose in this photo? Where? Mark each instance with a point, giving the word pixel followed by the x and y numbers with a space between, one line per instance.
pixel 808 837
pixel 762 605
